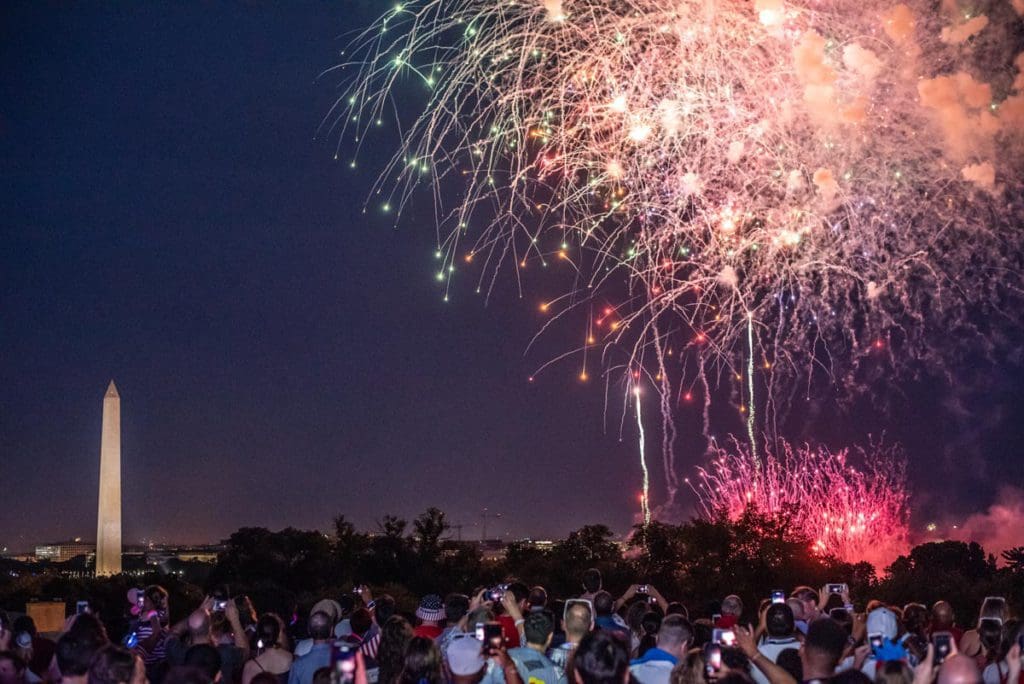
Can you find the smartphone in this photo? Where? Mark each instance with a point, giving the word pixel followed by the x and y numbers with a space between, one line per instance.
pixel 493 637
pixel 778 596
pixel 875 639
pixel 837 588
pixel 713 658
pixel 480 631
pixel 81 607
pixel 344 670
pixel 941 641
pixel 642 589
pixel 219 605
pixel 723 637
pixel 357 590
pixel 497 593
pixel 132 640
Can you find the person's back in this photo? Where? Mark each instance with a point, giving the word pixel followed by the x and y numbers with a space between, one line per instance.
pixel 271 657
pixel 530 660
pixel 578 621
pixel 601 658
pixel 780 635
pixel 675 636
pixel 321 630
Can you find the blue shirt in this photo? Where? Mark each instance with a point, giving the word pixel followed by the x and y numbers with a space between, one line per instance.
pixel 304 667
pixel 654 654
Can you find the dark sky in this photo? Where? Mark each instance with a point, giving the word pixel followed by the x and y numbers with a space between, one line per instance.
pixel 170 221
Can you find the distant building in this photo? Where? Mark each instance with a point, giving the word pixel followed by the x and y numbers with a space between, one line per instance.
pixel 60 552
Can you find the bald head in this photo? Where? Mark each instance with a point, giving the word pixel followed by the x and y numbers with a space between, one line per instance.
pixel 942 614
pixel 578 620
pixel 321 626
pixel 959 669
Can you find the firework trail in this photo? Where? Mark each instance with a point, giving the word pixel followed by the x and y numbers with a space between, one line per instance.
pixel 854 513
pixel 839 181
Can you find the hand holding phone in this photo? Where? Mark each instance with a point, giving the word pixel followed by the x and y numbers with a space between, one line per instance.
pixel 941 642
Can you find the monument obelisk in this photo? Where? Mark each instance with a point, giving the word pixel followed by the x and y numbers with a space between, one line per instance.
pixel 108 520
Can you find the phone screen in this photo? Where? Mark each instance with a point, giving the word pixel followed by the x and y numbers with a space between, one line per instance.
pixel 941 640
pixel 713 658
pixel 875 640
pixel 778 596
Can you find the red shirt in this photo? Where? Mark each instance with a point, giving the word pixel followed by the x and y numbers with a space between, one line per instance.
pixel 429 631
pixel 509 631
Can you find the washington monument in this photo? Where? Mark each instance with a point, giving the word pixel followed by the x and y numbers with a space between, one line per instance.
pixel 108 520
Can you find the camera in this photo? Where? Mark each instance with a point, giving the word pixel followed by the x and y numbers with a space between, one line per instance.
pixel 344 661
pixel 642 589
pixel 778 596
pixel 941 641
pixel 723 637
pixel 495 594
pixel 837 588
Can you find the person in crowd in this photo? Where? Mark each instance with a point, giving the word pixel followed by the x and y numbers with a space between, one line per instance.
pixel 881 621
pixel 321 631
pixel 538 599
pixel 395 636
pixel 634 620
pixel 151 631
pixel 510 610
pixel 649 626
pixel 959 669
pixel 77 647
pixel 732 609
pixel 271 656
pixel 113 664
pixel 977 643
pixel 675 637
pixel 778 635
pixel 998 670
pixel 470 664
pixel 601 658
pixel 35 649
pixel 604 615
pixel 808 610
pixel 422 663
pixel 592 583
pixel 894 672
pixel 456 611
pixel 531 660
pixel 381 609
pixel 222 630
pixel 822 649
pixel 429 615
pixel 578 620
pixel 944 620
pixel 12 668
pixel 206 658
pixel 330 608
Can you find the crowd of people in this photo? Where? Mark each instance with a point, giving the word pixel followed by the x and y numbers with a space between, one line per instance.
pixel 515 634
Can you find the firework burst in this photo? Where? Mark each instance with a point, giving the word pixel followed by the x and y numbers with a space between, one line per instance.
pixel 737 188
pixel 850 504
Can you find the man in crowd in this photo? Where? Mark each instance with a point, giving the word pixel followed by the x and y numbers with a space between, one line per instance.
pixel 780 634
pixel 77 647
pixel 807 601
pixel 321 631
pixel 531 660
pixel 578 621
pixel 732 609
pixel 604 615
pixel 675 637
pixel 823 648
pixel 591 583
pixel 944 620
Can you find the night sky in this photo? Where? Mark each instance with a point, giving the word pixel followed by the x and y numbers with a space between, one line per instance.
pixel 170 220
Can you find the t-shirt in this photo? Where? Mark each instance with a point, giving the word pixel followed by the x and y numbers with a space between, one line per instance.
pixel 655 667
pixel 561 654
pixel 304 667
pixel 509 631
pixel 535 667
pixel 770 649
pixel 429 631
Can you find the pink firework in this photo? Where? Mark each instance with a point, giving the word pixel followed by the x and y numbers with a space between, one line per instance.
pixel 853 512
